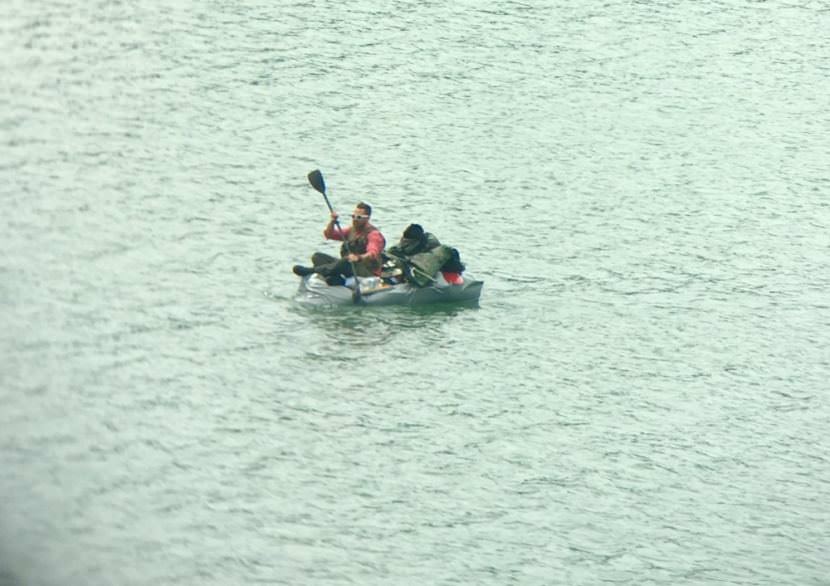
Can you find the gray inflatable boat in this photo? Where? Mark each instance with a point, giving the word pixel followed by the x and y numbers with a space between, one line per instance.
pixel 373 291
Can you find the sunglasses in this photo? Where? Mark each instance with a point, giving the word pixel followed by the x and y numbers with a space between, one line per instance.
pixel 359 217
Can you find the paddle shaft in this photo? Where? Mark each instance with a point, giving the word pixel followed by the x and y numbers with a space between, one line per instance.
pixel 412 267
pixel 337 225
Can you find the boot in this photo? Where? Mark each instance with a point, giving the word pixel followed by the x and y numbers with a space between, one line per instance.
pixel 302 271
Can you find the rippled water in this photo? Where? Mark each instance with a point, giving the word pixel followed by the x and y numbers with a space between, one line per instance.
pixel 639 398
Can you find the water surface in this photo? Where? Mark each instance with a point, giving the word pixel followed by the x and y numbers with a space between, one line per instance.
pixel 639 398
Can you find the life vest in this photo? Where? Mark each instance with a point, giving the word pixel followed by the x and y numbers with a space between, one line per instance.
pixel 356 244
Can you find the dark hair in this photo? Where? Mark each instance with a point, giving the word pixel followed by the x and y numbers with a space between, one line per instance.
pixel 454 263
pixel 413 232
pixel 365 207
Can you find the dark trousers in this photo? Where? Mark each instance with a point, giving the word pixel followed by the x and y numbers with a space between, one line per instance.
pixel 330 267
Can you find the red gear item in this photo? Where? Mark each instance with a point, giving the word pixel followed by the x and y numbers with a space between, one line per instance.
pixel 453 278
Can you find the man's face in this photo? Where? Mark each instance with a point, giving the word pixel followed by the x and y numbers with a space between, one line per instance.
pixel 359 217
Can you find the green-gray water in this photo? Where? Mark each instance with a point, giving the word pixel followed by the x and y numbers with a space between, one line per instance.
pixel 640 398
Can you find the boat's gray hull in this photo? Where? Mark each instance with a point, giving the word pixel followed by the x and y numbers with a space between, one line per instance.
pixel 314 290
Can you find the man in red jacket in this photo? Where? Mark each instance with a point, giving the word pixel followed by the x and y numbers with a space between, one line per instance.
pixel 362 248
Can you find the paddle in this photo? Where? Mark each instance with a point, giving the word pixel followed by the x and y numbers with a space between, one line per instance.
pixel 315 178
pixel 408 265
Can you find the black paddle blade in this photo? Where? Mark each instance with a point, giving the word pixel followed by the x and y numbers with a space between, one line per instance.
pixel 316 180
